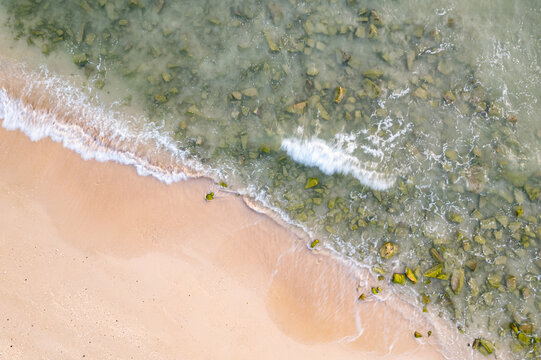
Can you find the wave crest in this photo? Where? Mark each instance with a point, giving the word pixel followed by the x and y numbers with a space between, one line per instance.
pixel 42 105
pixel 332 160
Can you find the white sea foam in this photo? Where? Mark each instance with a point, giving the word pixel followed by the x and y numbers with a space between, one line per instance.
pixel 41 105
pixel 333 160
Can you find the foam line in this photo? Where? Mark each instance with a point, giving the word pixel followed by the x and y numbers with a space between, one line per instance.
pixel 41 105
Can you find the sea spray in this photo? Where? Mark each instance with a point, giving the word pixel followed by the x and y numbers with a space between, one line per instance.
pixel 332 160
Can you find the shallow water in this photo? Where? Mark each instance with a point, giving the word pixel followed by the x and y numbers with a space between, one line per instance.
pixel 360 122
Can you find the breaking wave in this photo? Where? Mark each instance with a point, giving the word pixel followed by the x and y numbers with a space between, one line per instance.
pixel 333 160
pixel 42 105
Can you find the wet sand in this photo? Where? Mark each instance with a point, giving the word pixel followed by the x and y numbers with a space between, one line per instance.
pixel 98 262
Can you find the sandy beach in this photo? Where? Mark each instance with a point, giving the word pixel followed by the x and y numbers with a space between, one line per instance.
pixel 98 262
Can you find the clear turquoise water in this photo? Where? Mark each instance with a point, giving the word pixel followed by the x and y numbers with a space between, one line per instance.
pixel 419 121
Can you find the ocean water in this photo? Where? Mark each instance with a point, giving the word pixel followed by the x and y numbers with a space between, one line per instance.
pixel 405 136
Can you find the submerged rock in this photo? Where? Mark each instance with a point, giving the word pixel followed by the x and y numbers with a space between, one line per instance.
pixel 476 179
pixel 457 281
pixel 160 98
pixel 373 74
pixel 276 13
pixel 312 70
pixel 488 224
pixel 436 255
pixel 372 31
pixel 410 57
pixel 80 59
pixel 360 32
pixel 339 94
pixel 375 18
pixel 297 108
pixel 526 328
pixel 322 112
pixel 449 97
pixel 420 93
pixel 236 95
pixel 512 118
pixel 251 92
pixel 494 280
pixel 372 89
pixel 451 155
pixel 455 217
pixel 516 178
pixel 433 271
pixel 532 191
pixel 158 5
pixel 311 182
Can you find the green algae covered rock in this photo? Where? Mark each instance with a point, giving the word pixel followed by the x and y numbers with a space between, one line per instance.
pixel 373 74
pixel 209 196
pixel 434 271
pixel 494 280
pixel 411 275
pixel 80 59
pixel 339 94
pixel 455 217
pixel 484 346
pixel 524 339
pixel 372 89
pixel 160 98
pixel 388 249
pixel 449 97
pixel 532 191
pixel 399 279
pixel 436 255
pixel 451 155
pixel 311 182
pixel 314 243
pixel 273 47
pixel 471 264
pixel 372 31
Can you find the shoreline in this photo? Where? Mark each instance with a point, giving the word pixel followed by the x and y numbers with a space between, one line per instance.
pixel 124 230
pixel 336 321
pixel 274 269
